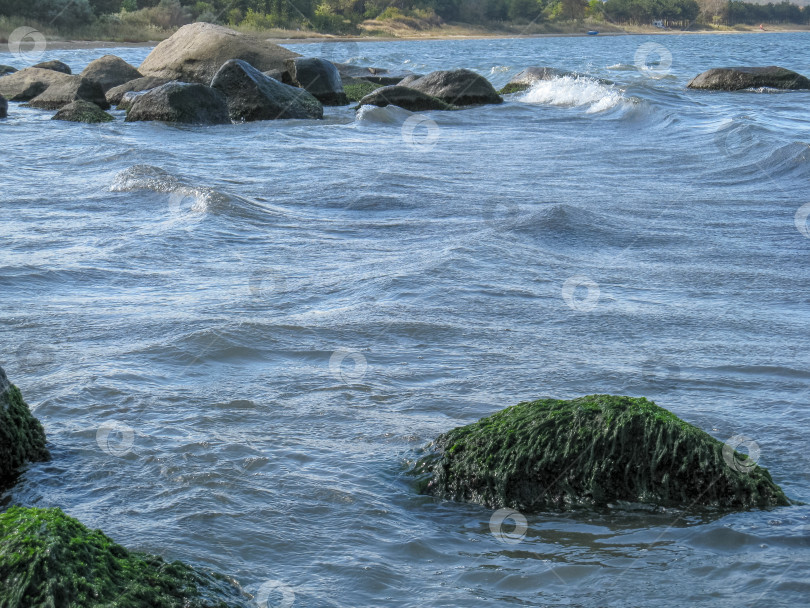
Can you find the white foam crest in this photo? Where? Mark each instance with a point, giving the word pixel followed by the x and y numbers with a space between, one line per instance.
pixel 387 115
pixel 575 91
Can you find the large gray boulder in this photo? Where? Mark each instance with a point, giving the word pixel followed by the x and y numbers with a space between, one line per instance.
pixel 735 79
pixel 67 91
pixel 404 97
pixel 110 71
pixel 30 82
pixel 3 107
pixel 22 438
pixel 196 51
pixel 55 65
pixel 319 77
pixel 457 87
pixel 251 95
pixel 82 111
pixel 182 102
pixel 144 83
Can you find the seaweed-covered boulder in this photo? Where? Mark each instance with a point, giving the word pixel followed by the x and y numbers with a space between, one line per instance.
pixel 82 111
pixel 21 436
pixel 457 87
pixel 30 82
pixel 318 77
pixel 404 97
pixel 144 83
pixel 67 91
pixel 593 450
pixel 55 65
pixel 110 71
pixel 180 102
pixel 3 107
pixel 251 95
pixel 735 79
pixel 196 51
pixel 50 559
pixel 357 88
pixel 7 69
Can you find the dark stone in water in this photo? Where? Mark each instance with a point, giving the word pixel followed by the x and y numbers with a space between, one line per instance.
pixel 3 107
pixel 145 83
pixel 593 450
pixel 318 77
pixel 22 438
pixel 110 71
pixel 7 69
pixel 379 76
pixel 67 91
pixel 457 87
pixel 181 102
pixel 251 95
pixel 50 559
pixel 735 79
pixel 404 97
pixel 55 65
pixel 82 111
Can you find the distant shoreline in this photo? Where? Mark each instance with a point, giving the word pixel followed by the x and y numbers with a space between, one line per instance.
pixel 61 45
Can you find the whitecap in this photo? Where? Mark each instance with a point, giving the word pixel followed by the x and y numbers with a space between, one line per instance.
pixel 575 91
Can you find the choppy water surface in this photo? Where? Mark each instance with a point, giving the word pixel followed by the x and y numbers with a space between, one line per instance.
pixel 238 336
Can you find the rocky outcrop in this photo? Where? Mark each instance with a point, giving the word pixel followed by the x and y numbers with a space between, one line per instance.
pixel 67 91
pixel 404 97
pixel 735 79
pixel 50 559
pixel 82 111
pixel 196 51
pixel 22 438
pixel 55 65
pixel 594 450
pixel 378 76
pixel 318 77
pixel 181 102
pixel 357 88
pixel 110 71
pixel 251 95
pixel 3 107
pixel 30 82
pixel 144 83
pixel 457 87
pixel 7 69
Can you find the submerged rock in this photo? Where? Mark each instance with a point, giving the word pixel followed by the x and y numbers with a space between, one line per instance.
pixel 22 438
pixel 55 65
pixel 593 450
pixel 50 559
pixel 196 51
pixel 82 111
pixel 404 97
pixel 251 95
pixel 7 69
pixel 67 91
pixel 734 79
pixel 30 82
pixel 180 102
pixel 110 71
pixel 145 83
pixel 457 87
pixel 3 107
pixel 378 76
pixel 318 77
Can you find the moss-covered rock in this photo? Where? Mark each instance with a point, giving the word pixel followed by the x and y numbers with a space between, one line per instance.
pixel 48 559
pixel 593 450
pixel 22 438
pixel 82 111
pixel 357 88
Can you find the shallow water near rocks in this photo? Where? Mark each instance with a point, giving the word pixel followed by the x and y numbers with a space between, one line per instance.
pixel 237 337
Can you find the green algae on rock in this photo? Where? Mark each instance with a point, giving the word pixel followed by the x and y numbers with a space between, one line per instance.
pixel 22 438
pixel 50 559
pixel 593 450
pixel 357 89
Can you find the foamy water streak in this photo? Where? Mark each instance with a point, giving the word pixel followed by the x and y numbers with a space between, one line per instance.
pixel 575 91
